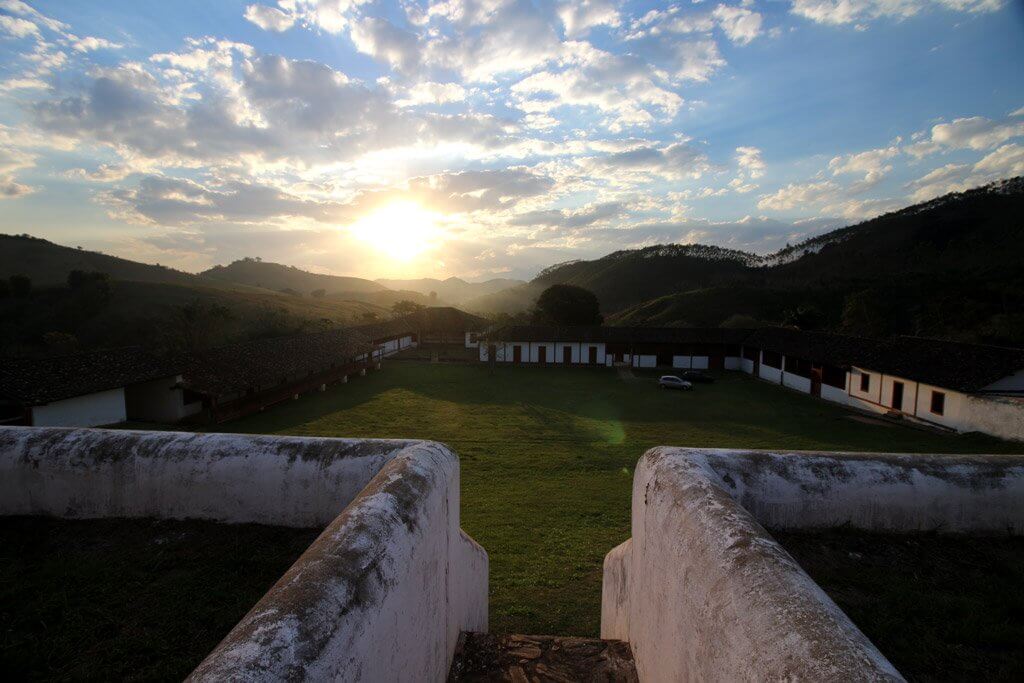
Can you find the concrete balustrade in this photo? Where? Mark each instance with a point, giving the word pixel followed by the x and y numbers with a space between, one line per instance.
pixel 383 592
pixel 702 592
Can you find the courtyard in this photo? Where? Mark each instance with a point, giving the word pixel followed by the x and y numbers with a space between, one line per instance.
pixel 547 457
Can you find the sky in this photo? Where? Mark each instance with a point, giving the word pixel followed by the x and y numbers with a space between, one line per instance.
pixel 491 138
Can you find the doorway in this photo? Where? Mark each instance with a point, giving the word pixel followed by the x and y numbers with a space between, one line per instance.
pixel 517 354
pixel 593 355
pixel 897 396
pixel 567 355
pixel 542 354
pixel 816 381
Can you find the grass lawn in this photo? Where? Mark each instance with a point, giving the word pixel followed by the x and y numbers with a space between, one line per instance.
pixel 547 457
pixel 129 599
pixel 953 611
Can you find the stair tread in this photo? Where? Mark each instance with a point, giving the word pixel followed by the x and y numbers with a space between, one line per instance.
pixel 540 659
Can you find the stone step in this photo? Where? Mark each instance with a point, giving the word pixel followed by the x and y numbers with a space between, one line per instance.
pixel 540 659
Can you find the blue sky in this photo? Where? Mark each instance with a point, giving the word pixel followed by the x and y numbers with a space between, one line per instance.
pixel 495 137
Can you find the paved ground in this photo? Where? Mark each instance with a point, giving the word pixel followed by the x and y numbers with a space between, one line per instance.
pixel 540 659
pixel 547 458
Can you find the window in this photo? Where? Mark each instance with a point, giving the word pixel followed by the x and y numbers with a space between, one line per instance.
pixel 865 381
pixel 938 402
pixel 798 366
pixel 772 359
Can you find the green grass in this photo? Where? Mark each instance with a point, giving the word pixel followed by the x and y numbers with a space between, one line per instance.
pixel 954 611
pixel 129 599
pixel 547 457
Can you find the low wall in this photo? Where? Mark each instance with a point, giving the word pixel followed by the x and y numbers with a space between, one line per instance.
pixel 995 415
pixel 392 566
pixel 702 592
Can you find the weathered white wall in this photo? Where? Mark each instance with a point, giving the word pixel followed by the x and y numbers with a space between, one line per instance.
pixel 392 567
pixel 747 366
pixel 684 362
pixel 701 592
pixel 733 363
pixel 644 361
pixel 769 373
pixel 834 394
pixel 998 416
pixel 796 382
pixel 471 341
pixel 101 408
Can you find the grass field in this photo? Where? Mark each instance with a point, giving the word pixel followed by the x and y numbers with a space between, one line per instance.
pixel 547 457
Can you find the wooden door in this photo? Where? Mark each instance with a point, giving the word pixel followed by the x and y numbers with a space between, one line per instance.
pixel 593 355
pixel 542 354
pixel 815 381
pixel 517 354
pixel 897 395
pixel 716 362
pixel 567 355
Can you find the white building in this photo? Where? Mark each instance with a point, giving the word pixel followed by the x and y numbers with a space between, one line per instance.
pixel 962 387
pixel 91 389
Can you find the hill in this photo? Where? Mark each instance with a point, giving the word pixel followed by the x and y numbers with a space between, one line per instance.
pixel 950 267
pixel 453 290
pixel 48 264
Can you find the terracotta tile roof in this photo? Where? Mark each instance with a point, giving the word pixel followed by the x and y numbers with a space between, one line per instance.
pixel 37 381
pixel 266 362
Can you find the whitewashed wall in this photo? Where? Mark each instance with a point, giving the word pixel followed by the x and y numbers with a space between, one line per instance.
pixel 747 366
pixel 381 595
pixel 770 374
pixel 834 394
pixel 644 360
pixel 734 363
pixel 796 382
pixel 684 362
pixel 91 410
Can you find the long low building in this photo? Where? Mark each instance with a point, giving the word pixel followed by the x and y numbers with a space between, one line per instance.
pixel 958 386
pixel 238 379
pixel 91 389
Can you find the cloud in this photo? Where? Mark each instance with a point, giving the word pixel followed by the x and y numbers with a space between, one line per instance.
pixel 675 161
pixel 976 132
pixel 428 92
pixel 92 43
pixel 385 41
pixel 1004 162
pixel 270 18
pixel 618 85
pixel 798 194
pixel 22 9
pixel 579 17
pixel 11 161
pixel 749 159
pixel 158 200
pixel 565 218
pixel 872 164
pixel 740 24
pixel 18 28
pixel 838 12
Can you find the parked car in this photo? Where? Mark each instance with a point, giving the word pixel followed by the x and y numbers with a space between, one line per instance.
pixel 698 376
pixel 673 382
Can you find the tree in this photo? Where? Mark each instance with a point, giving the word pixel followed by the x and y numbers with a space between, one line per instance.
pixel 433 297
pixel 405 307
pixel 368 317
pixel 567 305
pixel 21 286
pixel 318 293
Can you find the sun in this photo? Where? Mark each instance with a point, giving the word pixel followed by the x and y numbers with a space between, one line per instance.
pixel 401 230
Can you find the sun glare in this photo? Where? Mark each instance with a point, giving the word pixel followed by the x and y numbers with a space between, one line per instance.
pixel 401 230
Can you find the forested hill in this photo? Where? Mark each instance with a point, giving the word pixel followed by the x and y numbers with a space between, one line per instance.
pixel 278 278
pixel 949 267
pixel 48 264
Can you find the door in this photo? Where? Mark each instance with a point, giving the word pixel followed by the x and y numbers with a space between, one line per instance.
pixel 815 381
pixel 593 355
pixel 716 362
pixel 567 355
pixel 897 395
pixel 517 354
pixel 542 354
pixel 492 353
